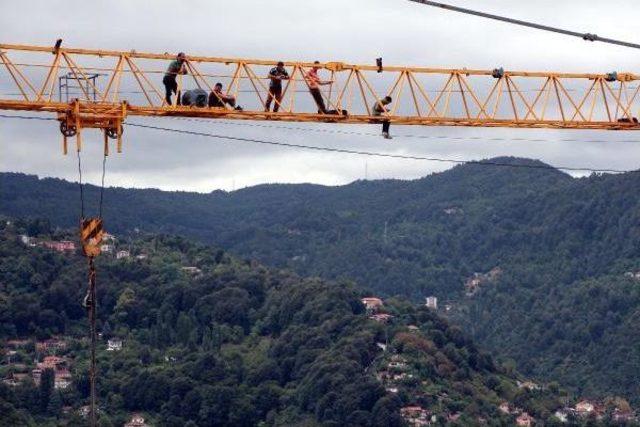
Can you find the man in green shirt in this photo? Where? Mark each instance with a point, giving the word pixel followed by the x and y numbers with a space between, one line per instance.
pixel 179 66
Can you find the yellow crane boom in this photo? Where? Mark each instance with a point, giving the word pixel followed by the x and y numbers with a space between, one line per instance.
pixel 111 85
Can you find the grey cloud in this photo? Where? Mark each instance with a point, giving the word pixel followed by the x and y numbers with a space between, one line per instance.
pixel 353 31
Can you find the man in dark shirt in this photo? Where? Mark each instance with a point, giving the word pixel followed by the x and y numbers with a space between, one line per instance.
pixel 217 98
pixel 179 66
pixel 277 75
pixel 379 109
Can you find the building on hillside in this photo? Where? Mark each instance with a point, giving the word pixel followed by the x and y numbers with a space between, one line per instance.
pixel 53 362
pixel 36 374
pixel 17 343
pixel 106 237
pixel 141 257
pixel 27 240
pixel 453 211
pixel 584 408
pixel 107 248
pixel 122 254
pixel 524 420
pixel 621 416
pixel 62 379
pixel 51 345
pixel 432 302
pixel 192 270
pixel 381 317
pixel 635 275
pixel 415 416
pixel 61 246
pixel 136 420
pixel 114 344
pixel 563 414
pixel 413 328
pixel 397 364
pixel 453 417
pixel 505 408
pixel 528 385
pixel 372 303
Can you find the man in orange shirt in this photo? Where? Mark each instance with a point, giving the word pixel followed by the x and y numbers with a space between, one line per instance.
pixel 314 83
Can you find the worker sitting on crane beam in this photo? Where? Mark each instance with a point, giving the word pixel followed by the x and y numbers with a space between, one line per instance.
pixel 276 75
pixel 178 66
pixel 314 83
pixel 218 99
pixel 379 109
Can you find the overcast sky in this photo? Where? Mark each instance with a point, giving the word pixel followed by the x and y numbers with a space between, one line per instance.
pixel 355 31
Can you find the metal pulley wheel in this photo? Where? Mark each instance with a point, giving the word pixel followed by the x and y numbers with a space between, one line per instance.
pixel 68 131
pixel 113 132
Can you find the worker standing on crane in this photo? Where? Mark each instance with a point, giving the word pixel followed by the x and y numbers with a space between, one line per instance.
pixel 277 75
pixel 314 83
pixel 379 109
pixel 178 66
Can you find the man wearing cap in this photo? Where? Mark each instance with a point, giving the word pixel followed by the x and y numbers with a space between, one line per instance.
pixel 276 75
pixel 178 66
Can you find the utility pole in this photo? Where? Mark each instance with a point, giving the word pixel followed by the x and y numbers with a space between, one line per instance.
pixel 385 232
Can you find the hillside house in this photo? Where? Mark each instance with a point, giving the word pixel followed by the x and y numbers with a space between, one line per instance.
pixel 107 248
pixel 584 408
pixel 17 343
pixel 51 345
pixel 36 374
pixel 415 415
pixel 381 317
pixel 114 344
pixel 621 416
pixel 136 420
pixel 473 283
pixel 192 270
pixel 524 420
pixel 61 246
pixel 27 240
pixel 432 302
pixel 53 362
pixel 141 257
pixel 122 254
pixel 453 211
pixel 563 414
pixel 528 385
pixel 62 379
pixel 372 303
pixel 397 363
pixel 505 408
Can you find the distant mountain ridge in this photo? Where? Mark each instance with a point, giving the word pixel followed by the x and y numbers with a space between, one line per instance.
pixel 550 234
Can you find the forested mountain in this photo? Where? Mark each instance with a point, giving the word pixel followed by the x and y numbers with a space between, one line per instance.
pixel 561 303
pixel 192 336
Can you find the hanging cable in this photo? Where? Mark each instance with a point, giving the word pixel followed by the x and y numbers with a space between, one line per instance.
pixel 584 36
pixel 376 154
pixel 104 165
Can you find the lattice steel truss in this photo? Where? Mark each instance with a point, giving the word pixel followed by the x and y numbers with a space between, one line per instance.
pixel 421 96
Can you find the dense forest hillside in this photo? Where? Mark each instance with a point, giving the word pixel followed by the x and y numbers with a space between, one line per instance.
pixel 565 251
pixel 192 336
